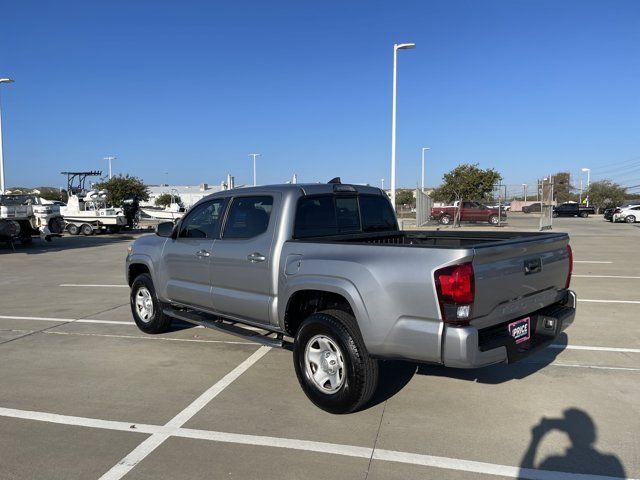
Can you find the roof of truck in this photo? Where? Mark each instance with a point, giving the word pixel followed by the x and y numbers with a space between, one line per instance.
pixel 305 189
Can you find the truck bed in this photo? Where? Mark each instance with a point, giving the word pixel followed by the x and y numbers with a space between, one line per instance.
pixel 436 239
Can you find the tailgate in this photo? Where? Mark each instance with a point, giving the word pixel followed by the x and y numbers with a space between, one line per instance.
pixel 517 277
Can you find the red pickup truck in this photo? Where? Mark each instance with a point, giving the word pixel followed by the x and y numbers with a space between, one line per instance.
pixel 470 212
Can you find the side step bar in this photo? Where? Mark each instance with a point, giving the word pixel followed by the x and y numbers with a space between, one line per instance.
pixel 229 326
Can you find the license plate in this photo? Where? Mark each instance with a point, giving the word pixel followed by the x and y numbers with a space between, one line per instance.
pixel 520 330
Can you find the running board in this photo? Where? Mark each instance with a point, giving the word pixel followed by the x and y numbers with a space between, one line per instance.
pixel 228 326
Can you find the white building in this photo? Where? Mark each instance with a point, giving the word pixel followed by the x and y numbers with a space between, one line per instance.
pixel 189 194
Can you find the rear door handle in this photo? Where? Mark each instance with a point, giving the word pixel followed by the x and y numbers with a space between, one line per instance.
pixel 202 254
pixel 256 257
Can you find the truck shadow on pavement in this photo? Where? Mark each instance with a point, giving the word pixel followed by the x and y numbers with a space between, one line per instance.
pixel 395 375
pixel 501 373
pixel 581 457
pixel 39 246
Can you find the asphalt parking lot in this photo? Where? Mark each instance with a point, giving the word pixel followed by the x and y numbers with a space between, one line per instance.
pixel 84 394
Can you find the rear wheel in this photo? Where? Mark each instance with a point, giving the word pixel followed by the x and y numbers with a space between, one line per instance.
pixel 332 364
pixel 584 214
pixel 86 229
pixel 73 229
pixel 630 219
pixel 445 219
pixel 145 307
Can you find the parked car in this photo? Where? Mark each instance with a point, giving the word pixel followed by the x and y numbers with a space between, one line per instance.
pixel 571 209
pixel 469 212
pixel 534 207
pixel 628 214
pixel 325 265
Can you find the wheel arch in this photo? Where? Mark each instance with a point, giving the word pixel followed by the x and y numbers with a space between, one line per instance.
pixel 313 295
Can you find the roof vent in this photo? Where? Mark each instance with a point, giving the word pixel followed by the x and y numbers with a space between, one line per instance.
pixel 335 180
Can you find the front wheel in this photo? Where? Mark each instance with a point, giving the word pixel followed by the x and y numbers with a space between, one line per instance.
pixel 145 307
pixel 630 219
pixel 332 364
pixel 493 219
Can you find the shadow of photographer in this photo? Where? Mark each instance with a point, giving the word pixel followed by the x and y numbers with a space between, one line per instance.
pixel 581 457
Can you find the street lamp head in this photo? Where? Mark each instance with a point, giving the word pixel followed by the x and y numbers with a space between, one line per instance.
pixel 586 169
pixel 6 80
pixel 404 46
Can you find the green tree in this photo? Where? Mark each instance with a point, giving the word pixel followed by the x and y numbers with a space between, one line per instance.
pixel 121 187
pixel 166 199
pixel 604 193
pixel 51 194
pixel 562 187
pixel 404 197
pixel 468 182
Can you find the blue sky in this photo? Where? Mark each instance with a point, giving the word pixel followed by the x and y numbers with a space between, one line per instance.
pixel 190 88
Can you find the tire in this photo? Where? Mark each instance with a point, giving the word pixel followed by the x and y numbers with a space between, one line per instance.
pixel 86 229
pixel 583 214
pixel 445 220
pixel 336 338
pixel 143 297
pixel 630 219
pixel 73 229
pixel 555 215
pixel 493 219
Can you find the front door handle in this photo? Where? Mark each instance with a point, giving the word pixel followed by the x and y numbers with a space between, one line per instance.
pixel 202 254
pixel 256 257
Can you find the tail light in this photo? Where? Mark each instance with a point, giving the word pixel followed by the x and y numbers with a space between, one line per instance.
pixel 570 252
pixel 456 290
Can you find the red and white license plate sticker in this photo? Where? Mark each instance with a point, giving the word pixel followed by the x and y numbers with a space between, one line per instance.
pixel 520 330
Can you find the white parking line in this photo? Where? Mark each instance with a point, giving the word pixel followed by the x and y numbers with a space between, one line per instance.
pixel 608 301
pixel 140 337
pixel 138 454
pixel 595 367
pixel 604 276
pixel 68 320
pixel 91 285
pixel 115 322
pixel 161 433
pixel 589 261
pixel 596 349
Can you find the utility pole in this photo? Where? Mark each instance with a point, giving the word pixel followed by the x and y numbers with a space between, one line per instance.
pixel 382 182
pixel 2 185
pixel 396 47
pixel 254 155
pixel 110 158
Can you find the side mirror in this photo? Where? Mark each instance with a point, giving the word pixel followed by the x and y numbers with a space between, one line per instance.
pixel 164 229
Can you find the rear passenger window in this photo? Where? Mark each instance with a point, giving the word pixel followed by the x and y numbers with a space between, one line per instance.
pixel 316 217
pixel 248 217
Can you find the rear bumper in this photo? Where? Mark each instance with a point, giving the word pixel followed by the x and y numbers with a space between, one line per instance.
pixel 468 347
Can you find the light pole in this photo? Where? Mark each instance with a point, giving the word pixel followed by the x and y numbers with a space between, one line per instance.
pixel 396 47
pixel 588 170
pixel 524 187
pixel 423 150
pixel 382 183
pixel 110 158
pixel 254 155
pixel 2 186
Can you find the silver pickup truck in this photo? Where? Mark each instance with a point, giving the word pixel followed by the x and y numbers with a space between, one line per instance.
pixel 324 269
